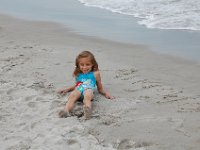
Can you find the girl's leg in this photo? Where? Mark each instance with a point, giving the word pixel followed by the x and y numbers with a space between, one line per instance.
pixel 88 96
pixel 73 97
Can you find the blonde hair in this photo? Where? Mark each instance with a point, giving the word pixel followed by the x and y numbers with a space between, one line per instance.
pixel 85 54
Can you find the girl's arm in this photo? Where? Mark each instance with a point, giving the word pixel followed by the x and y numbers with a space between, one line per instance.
pixel 66 90
pixel 100 86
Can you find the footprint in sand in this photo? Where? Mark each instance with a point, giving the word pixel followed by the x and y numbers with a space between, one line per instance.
pixel 190 106
pixel 71 141
pixel 125 74
pixel 31 104
pixel 13 62
pixel 127 144
pixel 172 96
pixel 111 120
pixel 139 85
pixel 21 145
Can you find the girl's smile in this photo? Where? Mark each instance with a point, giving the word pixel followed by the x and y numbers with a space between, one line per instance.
pixel 85 65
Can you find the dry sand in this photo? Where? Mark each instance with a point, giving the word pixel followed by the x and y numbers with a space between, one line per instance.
pixel 157 105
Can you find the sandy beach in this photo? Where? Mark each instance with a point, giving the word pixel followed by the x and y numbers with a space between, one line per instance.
pixel 157 104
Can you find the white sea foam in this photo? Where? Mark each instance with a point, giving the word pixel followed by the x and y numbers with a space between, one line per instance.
pixel 163 14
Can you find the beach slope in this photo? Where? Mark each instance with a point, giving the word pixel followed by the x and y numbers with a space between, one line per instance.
pixel 157 102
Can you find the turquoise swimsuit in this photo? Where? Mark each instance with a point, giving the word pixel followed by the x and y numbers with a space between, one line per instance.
pixel 85 81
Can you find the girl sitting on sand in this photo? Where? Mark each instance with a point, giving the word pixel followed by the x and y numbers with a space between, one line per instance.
pixel 87 76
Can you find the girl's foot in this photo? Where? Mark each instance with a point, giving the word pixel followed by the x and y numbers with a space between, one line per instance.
pixel 87 112
pixel 64 114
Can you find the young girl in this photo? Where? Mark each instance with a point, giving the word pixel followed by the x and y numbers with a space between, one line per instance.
pixel 87 76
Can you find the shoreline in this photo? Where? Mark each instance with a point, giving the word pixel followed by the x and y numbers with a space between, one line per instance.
pixel 157 96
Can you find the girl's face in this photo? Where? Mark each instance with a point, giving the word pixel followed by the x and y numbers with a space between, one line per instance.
pixel 85 65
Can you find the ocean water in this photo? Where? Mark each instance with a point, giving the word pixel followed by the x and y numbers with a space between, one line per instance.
pixel 152 22
pixel 162 14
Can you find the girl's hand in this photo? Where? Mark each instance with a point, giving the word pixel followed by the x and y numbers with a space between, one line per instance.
pixel 62 91
pixel 108 96
pixel 66 90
